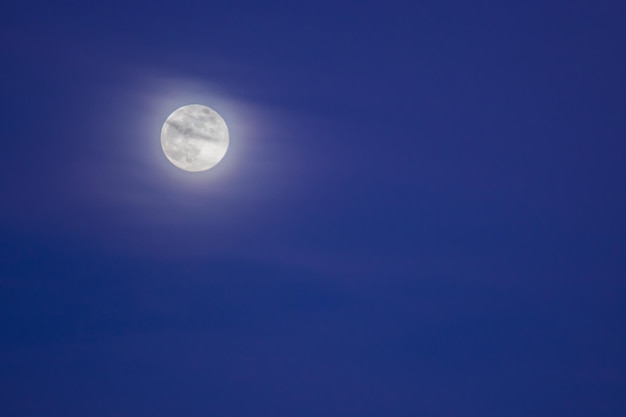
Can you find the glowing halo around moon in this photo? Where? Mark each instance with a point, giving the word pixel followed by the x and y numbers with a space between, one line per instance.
pixel 194 138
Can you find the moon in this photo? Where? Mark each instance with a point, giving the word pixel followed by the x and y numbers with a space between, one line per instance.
pixel 194 138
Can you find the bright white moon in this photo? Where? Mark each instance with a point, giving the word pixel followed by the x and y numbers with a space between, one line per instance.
pixel 194 138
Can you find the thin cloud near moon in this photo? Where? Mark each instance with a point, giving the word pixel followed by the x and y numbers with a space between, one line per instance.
pixel 190 132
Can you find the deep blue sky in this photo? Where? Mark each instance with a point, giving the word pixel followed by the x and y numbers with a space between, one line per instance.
pixel 422 212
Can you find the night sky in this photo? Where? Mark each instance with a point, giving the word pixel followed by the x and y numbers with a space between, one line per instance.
pixel 422 212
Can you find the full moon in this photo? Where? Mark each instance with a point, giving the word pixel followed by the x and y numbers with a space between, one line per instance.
pixel 194 138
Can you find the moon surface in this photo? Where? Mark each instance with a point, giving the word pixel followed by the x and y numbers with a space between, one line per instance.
pixel 194 138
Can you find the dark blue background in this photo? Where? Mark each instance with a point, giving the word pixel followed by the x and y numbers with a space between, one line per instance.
pixel 423 212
